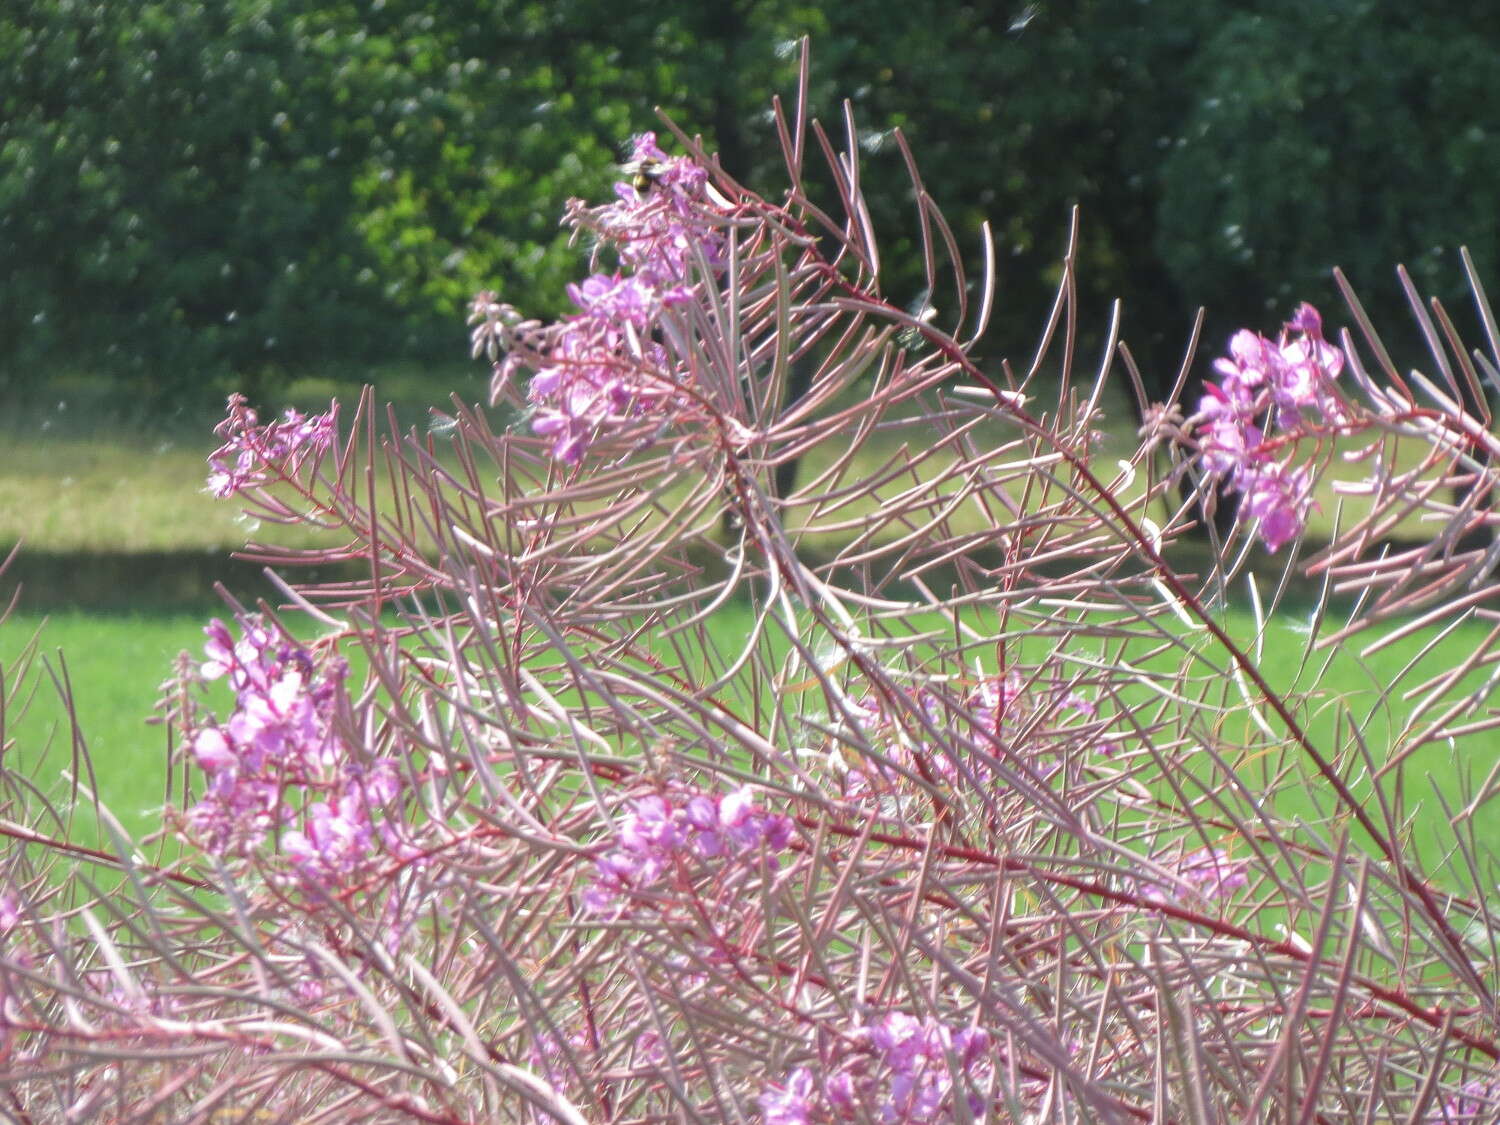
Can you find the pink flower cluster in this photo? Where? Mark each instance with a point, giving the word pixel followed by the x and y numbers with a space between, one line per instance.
pixel 605 364
pixel 548 1057
pixel 252 454
pixel 279 747
pixel 1207 874
pixel 656 834
pixel 340 835
pixel 1474 1103
pixel 896 1070
pixel 661 230
pixel 1268 386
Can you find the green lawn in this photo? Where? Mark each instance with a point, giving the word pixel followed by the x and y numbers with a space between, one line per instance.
pixel 116 664
pixel 75 477
pixel 88 486
pixel 66 489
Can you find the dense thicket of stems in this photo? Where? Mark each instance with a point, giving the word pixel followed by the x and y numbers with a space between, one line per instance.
pixel 941 791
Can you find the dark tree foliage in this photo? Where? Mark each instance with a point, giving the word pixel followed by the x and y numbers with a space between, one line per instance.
pixel 1350 134
pixel 177 186
pixel 190 188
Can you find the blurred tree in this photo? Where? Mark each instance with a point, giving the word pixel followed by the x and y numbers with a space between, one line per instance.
pixel 1352 133
pixel 1017 112
pixel 174 194
pixel 189 188
pixel 513 107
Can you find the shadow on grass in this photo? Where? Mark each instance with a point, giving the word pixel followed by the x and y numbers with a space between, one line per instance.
pixel 142 582
pixel 184 581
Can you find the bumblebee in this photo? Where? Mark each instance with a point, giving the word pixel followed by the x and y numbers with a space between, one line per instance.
pixel 643 174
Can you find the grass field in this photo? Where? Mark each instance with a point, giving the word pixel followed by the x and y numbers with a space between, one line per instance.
pixel 74 483
pixel 69 488
pixel 114 666
pixel 74 479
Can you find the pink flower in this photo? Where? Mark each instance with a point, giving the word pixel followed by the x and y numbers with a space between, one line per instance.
pixel 660 232
pixel 1474 1103
pixel 894 1069
pixel 1213 872
pixel 348 832
pixel 651 826
pixel 600 368
pixel 917 1053
pixel 1307 366
pixel 898 1037
pixel 550 1056
pixel 278 748
pixel 213 750
pixel 840 1090
pixel 1208 873
pixel 1269 385
pixel 791 1102
pixel 1279 496
pixel 253 454
pixel 332 842
pixel 1229 440
pixel 1244 371
pixel 1307 320
pixel 655 834
pixel 733 823
pixel 617 300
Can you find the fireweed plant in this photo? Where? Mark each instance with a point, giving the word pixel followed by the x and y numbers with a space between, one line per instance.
pixel 978 816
